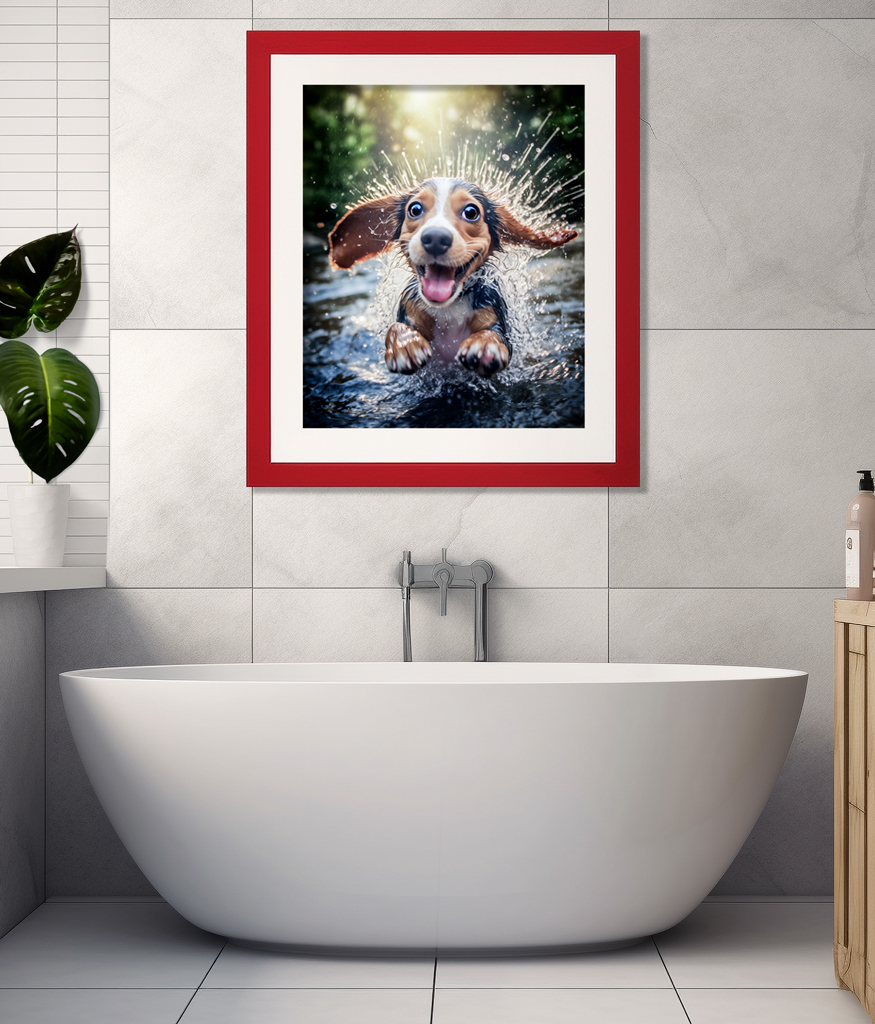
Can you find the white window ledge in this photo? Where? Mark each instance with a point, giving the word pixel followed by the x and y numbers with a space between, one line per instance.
pixel 15 579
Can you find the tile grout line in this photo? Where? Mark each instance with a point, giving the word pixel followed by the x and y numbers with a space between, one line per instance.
pixel 671 979
pixel 200 983
pixel 608 553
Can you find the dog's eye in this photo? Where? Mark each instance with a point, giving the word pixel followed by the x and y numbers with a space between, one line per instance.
pixel 471 212
pixel 415 210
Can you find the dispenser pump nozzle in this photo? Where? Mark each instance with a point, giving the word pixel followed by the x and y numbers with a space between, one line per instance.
pixel 867 483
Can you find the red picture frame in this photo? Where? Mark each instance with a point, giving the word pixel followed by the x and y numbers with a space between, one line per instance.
pixel 621 467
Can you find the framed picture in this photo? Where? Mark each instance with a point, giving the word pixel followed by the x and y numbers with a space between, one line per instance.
pixel 422 311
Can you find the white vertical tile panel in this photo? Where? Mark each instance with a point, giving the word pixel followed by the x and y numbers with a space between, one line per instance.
pixel 30 15
pixel 29 34
pixel 10 144
pixel 83 34
pixel 54 82
pixel 13 88
pixel 83 15
pixel 28 161
pixel 33 68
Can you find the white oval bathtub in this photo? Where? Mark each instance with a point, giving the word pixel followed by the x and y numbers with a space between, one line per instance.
pixel 433 806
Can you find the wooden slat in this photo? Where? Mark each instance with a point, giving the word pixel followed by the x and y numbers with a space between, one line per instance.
pixel 856 978
pixel 868 998
pixel 840 783
pixel 842 960
pixel 856 715
pixel 861 612
pixel 857 638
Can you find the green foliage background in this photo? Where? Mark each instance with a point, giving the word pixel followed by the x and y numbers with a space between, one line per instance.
pixel 355 136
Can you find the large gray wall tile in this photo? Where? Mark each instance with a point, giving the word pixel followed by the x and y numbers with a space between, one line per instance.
pixel 177 160
pixel 757 166
pixel 525 22
pixel 790 848
pixel 179 506
pixel 94 629
pixel 365 625
pixel 495 14
pixel 22 757
pixel 752 439
pixel 355 537
pixel 180 8
pixel 707 9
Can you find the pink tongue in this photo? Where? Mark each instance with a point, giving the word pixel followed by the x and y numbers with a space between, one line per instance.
pixel 438 282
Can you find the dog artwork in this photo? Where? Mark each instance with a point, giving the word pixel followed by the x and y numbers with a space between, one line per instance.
pixel 453 306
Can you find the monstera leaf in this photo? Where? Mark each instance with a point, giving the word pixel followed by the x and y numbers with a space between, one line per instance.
pixel 39 284
pixel 52 405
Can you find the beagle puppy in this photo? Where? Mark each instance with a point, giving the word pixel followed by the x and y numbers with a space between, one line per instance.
pixel 446 229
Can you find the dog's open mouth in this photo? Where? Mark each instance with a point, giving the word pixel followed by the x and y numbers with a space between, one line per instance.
pixel 439 282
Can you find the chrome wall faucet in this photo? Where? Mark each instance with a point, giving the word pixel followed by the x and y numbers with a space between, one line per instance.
pixel 445 576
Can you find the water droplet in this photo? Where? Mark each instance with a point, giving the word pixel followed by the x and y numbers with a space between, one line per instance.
pixel 504 156
pixel 333 206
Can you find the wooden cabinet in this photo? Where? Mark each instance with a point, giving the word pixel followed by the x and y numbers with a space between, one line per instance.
pixel 854 945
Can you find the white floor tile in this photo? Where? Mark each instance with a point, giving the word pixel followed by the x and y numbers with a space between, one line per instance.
pixel 92 1006
pixel 248 968
pixel 106 945
pixel 634 967
pixel 751 945
pixel 310 1006
pixel 556 1006
pixel 773 1006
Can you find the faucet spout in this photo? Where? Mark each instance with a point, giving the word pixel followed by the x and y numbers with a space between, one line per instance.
pixel 481 573
pixel 406 581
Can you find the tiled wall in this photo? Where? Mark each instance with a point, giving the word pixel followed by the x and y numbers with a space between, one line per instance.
pixel 54 175
pixel 22 750
pixel 758 374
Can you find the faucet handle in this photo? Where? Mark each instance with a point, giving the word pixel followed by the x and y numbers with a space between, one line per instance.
pixel 443 574
pixel 405 572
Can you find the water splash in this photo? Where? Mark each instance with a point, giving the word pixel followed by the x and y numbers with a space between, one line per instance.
pixel 541 195
pixel 347 384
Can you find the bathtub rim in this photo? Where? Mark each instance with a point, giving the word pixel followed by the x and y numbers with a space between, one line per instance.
pixel 442 672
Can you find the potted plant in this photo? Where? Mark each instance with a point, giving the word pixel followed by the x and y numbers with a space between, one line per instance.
pixel 51 400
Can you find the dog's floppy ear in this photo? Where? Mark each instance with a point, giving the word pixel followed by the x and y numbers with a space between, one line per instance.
pixel 366 230
pixel 511 230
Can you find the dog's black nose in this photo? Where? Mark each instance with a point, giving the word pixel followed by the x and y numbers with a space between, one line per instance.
pixel 436 241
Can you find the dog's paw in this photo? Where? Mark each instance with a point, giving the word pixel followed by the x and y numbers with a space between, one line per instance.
pixel 484 353
pixel 406 349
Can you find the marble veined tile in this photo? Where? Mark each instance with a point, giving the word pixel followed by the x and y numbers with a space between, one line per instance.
pixel 106 945
pixel 773 1006
pixel 180 509
pixel 93 1006
pixel 757 165
pixel 250 968
pixel 533 537
pixel 751 945
pixel 315 1006
pixel 558 1006
pixel 177 160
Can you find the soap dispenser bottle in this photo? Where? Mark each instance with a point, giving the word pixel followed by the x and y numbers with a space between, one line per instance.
pixel 860 540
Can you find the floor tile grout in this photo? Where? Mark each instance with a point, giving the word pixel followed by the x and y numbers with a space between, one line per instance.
pixel 671 980
pixel 203 979
pixel 433 991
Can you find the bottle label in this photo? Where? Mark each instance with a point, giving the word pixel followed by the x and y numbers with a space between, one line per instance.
pixel 852 558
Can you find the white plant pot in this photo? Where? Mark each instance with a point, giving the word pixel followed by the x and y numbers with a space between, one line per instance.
pixel 38 517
